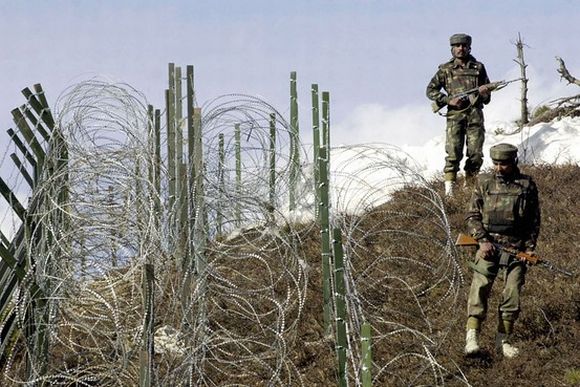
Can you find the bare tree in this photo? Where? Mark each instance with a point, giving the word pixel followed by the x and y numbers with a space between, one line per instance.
pixel 560 107
pixel 524 93
pixel 567 106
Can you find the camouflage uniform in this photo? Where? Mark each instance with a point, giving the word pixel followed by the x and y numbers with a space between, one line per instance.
pixel 464 124
pixel 504 210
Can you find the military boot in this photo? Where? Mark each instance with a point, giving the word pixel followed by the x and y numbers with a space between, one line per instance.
pixel 449 178
pixel 471 344
pixel 504 347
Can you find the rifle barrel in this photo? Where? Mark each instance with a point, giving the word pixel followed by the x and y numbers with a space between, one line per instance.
pixel 551 267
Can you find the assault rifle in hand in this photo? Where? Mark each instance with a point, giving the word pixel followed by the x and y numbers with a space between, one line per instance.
pixel 464 95
pixel 466 240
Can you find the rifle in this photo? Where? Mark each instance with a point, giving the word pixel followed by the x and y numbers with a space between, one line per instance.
pixel 466 240
pixel 492 86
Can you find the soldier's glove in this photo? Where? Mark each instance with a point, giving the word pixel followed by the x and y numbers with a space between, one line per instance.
pixel 486 249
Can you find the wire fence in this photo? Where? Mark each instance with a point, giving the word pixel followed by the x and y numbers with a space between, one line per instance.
pixel 229 310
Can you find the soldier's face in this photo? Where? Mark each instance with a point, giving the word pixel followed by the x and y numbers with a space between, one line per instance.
pixel 503 168
pixel 460 50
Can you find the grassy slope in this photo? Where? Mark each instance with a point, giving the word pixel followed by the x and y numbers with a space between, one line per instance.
pixel 548 331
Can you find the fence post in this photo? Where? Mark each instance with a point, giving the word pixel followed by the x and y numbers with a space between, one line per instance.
pixel 272 161
pixel 315 142
pixel 340 302
pixel 366 355
pixel 238 152
pixel 39 104
pixel 198 200
pixel 325 239
pixel 29 136
pixel 147 348
pixel 193 126
pixel 326 121
pixel 294 140
pixel 221 183
pixel 181 229
pixel 27 154
pixel 169 98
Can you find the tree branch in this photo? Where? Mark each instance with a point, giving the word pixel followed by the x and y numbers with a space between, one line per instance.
pixel 564 73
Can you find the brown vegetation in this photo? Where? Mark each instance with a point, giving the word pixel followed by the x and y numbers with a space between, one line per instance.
pixel 548 331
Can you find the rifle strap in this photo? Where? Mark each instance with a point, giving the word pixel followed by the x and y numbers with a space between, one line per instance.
pixel 486 268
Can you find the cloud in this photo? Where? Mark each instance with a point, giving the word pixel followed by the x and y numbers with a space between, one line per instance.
pixel 406 125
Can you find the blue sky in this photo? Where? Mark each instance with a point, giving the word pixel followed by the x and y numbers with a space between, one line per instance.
pixel 375 57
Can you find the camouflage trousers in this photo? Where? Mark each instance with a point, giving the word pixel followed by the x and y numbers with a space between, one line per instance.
pixel 465 127
pixel 484 274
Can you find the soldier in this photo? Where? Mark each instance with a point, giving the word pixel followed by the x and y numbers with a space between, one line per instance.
pixel 504 212
pixel 464 115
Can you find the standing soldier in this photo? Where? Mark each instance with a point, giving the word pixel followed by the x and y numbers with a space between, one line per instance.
pixel 464 114
pixel 503 214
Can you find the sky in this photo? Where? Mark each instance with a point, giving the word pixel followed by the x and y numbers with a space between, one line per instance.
pixel 374 57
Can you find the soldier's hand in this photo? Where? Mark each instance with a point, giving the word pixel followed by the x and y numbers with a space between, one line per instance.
pixel 486 249
pixel 455 102
pixel 530 253
pixel 484 90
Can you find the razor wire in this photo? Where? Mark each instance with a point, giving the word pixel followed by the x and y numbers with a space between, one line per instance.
pixel 402 273
pixel 237 319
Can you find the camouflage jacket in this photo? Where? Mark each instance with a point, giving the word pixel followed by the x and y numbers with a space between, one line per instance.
pixel 455 79
pixel 505 210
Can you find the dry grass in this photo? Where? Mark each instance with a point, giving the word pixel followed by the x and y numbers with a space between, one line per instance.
pixel 548 330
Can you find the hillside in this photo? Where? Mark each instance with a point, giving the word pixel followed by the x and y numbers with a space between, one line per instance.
pixel 263 306
pixel 548 331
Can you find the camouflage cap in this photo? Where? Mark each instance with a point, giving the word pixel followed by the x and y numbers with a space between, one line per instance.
pixel 460 38
pixel 503 152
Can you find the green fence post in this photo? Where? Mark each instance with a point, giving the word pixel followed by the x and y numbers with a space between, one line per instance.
pixel 29 136
pixel 22 169
pixel 193 128
pixel 197 167
pixel 179 182
pixel 238 152
pixel 193 125
pixel 151 142
pixel 325 239
pixel 340 302
pixel 157 166
pixel 294 141
pixel 39 103
pixel 367 356
pixel 315 142
pixel 272 161
pixel 36 123
pixel 326 120
pixel 169 98
pixel 221 183
pixel 182 229
pixel 147 353
pixel 17 207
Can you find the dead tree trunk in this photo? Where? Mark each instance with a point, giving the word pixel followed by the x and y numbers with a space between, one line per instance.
pixel 525 115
